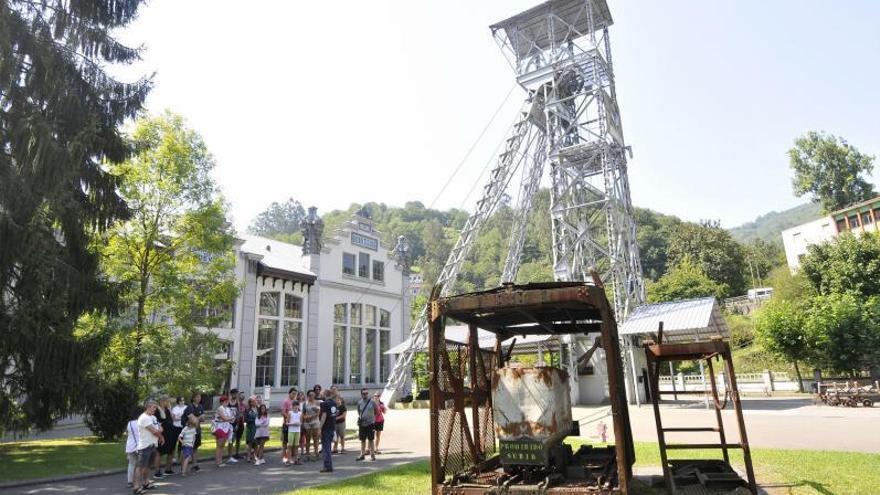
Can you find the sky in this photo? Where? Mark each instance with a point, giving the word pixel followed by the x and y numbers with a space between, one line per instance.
pixel 332 103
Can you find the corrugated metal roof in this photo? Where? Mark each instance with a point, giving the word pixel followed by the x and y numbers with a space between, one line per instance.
pixel 690 320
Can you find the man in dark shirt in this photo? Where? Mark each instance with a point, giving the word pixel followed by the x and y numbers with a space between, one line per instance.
pixel 328 429
pixel 195 409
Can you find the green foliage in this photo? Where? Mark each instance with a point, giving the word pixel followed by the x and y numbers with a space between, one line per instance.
pixel 831 170
pixel 60 114
pixel 846 329
pixel 742 330
pixel 761 258
pixel 110 404
pixel 653 231
pixel 281 221
pixel 849 264
pixel 790 287
pixel 687 280
pixel 769 226
pixel 174 257
pixel 780 329
pixel 711 247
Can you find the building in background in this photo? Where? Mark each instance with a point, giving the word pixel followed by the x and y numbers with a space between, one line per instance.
pixel 325 313
pixel 858 218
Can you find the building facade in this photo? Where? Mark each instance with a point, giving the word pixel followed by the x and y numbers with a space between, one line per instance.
pixel 858 218
pixel 326 316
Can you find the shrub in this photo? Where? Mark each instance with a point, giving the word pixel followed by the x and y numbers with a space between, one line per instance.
pixel 109 407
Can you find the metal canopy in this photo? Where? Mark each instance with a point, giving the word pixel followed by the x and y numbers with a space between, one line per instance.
pixel 691 320
pixel 524 310
pixel 537 26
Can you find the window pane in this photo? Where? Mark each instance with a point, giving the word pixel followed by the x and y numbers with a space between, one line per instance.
pixel 384 318
pixel 348 263
pixel 339 313
pixel 378 271
pixel 339 355
pixel 841 225
pixel 866 218
pixel 269 303
pixel 355 314
pixel 290 353
pixel 853 221
pixel 369 315
pixel 293 307
pixel 354 355
pixel 363 265
pixel 267 331
pixel 384 361
pixel 370 356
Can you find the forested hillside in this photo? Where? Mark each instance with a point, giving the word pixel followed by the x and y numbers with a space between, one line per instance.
pixel 769 226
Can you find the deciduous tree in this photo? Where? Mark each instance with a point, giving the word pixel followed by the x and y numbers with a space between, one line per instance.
pixel 714 250
pixel 60 114
pixel 780 328
pixel 831 170
pixel 687 280
pixel 174 256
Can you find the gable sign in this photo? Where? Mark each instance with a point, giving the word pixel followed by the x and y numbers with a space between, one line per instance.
pixel 364 241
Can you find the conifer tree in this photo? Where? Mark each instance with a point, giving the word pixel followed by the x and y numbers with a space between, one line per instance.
pixel 60 114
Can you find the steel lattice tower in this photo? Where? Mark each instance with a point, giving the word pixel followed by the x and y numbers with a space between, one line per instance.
pixel 561 54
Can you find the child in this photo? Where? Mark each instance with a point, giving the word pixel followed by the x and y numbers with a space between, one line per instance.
pixel 294 423
pixel 250 419
pixel 187 442
pixel 131 444
pixel 261 434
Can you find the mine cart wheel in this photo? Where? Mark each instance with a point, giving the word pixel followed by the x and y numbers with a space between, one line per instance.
pixel 832 401
pixel 868 403
pixel 852 403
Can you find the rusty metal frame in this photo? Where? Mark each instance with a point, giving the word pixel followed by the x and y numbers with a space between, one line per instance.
pixel 659 353
pixel 549 309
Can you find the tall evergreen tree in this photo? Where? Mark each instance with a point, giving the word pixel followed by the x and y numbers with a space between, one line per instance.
pixel 59 119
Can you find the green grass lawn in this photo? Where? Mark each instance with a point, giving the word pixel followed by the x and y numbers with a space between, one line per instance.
pixel 45 458
pixel 804 471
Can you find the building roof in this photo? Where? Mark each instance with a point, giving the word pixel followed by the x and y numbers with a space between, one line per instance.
pixel 277 258
pixel 855 206
pixel 691 320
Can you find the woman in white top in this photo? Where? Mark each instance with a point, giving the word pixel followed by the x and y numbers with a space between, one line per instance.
pixel 222 428
pixel 177 419
pixel 131 443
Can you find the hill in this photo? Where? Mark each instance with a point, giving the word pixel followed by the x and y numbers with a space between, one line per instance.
pixel 767 227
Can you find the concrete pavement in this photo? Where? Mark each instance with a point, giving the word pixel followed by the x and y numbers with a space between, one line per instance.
pixel 771 423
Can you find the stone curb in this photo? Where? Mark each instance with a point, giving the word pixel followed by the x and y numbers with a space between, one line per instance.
pixel 108 472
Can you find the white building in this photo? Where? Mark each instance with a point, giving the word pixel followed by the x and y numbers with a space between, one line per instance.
pixel 858 218
pixel 324 318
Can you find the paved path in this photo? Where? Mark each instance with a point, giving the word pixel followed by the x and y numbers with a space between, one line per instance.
pixel 402 442
pixel 773 423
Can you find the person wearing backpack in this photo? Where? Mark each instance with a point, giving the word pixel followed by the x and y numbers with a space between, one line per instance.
pixel 366 408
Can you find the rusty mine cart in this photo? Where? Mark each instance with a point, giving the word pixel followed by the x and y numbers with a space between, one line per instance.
pixel 479 395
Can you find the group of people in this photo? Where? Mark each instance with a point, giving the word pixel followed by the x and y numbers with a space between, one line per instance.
pixel 309 419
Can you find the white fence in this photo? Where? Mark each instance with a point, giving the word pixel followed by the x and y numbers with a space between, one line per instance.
pixel 766 383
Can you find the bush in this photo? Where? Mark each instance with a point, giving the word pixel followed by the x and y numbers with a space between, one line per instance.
pixel 109 408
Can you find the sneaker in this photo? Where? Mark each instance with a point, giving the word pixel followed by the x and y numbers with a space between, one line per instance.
pixel 360 458
pixel 232 460
pixel 196 468
pixel 222 464
pixel 284 459
pixel 285 462
pixel 158 475
pixel 169 471
pixel 373 457
pixel 326 470
pixel 130 485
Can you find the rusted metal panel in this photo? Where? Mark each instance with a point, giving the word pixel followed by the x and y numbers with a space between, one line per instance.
pixel 532 411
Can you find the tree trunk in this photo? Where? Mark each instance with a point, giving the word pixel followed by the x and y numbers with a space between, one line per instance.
pixel 800 380
pixel 139 326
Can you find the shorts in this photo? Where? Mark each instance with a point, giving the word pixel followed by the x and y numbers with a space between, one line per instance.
pixel 340 430
pixel 294 438
pixel 284 434
pixel 221 434
pixel 187 452
pixel 145 456
pixel 366 432
pixel 379 426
